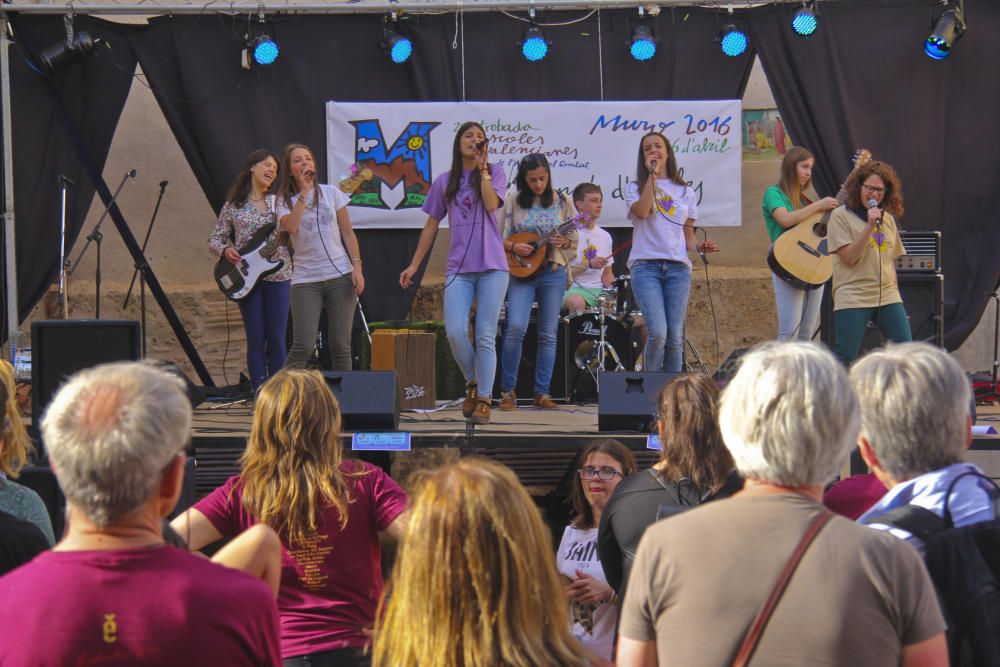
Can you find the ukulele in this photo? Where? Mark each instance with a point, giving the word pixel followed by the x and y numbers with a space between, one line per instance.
pixel 525 267
pixel 238 280
pixel 801 256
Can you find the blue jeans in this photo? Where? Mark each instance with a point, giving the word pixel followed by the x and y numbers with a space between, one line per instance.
pixel 479 362
pixel 547 288
pixel 265 318
pixel 661 289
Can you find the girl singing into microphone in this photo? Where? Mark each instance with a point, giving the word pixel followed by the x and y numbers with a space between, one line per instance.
pixel 663 209
pixel 865 243
pixel 327 261
pixel 469 194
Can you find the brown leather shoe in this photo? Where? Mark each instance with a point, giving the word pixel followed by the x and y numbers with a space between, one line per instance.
pixel 469 404
pixel 508 401
pixel 482 413
pixel 545 402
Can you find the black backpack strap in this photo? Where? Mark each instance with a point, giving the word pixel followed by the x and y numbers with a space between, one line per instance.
pixel 918 521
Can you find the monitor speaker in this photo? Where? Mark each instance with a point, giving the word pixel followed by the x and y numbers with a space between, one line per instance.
pixel 627 401
pixel 368 399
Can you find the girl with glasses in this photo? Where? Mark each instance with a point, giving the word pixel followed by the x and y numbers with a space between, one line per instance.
pixel 865 243
pixel 663 209
pixel 593 613
pixel 469 195
pixel 537 209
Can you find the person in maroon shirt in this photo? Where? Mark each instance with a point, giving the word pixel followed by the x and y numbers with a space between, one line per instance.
pixel 327 510
pixel 112 592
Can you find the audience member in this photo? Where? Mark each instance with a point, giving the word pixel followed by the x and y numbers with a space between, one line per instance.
pixel 915 427
pixel 327 510
pixel 593 614
pixel 853 496
pixel 111 591
pixel 858 597
pixel 475 582
pixel 15 447
pixel 694 467
pixel 20 541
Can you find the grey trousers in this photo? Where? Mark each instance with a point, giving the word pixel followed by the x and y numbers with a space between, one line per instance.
pixel 337 296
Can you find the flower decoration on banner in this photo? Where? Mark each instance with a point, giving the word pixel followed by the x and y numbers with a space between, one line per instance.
pixel 590 252
pixel 354 170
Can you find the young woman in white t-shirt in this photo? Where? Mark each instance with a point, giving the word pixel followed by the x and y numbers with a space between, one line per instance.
pixel 663 209
pixel 326 259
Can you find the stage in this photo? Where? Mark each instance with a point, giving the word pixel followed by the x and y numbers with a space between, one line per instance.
pixel 540 445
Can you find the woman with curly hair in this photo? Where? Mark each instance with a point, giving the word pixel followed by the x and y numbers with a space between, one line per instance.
pixel 328 511
pixel 865 243
pixel 475 582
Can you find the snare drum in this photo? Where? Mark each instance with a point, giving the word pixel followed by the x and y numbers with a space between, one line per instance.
pixel 607 301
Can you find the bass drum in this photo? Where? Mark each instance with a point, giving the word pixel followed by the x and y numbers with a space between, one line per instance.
pixel 583 335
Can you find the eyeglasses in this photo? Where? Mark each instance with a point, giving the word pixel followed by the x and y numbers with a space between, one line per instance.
pixel 872 189
pixel 604 473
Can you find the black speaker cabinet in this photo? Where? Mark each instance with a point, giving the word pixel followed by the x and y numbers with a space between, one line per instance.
pixel 525 385
pixel 60 348
pixel 627 401
pixel 368 399
pixel 923 299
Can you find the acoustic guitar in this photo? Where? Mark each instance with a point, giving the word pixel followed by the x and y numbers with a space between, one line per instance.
pixel 525 267
pixel 237 281
pixel 801 256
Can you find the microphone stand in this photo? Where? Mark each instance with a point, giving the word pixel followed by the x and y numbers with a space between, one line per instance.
pixel 141 267
pixel 64 184
pixel 97 236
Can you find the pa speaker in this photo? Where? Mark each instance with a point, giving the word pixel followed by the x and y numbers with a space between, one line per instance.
pixel 60 348
pixel 923 299
pixel 368 399
pixel 627 401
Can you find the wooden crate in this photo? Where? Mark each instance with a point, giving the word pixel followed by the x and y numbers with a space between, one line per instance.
pixel 412 355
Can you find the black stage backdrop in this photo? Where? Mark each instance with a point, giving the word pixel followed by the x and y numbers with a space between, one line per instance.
pixel 220 112
pixel 95 93
pixel 863 81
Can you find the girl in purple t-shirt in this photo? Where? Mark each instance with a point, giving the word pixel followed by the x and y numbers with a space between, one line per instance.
pixel 469 194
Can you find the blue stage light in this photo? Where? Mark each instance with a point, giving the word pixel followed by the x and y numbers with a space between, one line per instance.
pixel 643 44
pixel 400 48
pixel 948 30
pixel 534 47
pixel 734 41
pixel 265 49
pixel 805 22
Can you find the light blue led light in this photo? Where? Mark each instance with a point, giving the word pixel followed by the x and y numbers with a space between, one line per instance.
pixel 265 51
pixel 734 42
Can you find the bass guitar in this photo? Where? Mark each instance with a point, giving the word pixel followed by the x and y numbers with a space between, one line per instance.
pixel 801 256
pixel 525 267
pixel 238 280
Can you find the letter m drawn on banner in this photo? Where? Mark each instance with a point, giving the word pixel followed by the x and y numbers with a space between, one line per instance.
pixel 407 160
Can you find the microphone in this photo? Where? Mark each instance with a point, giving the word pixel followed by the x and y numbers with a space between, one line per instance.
pixel 653 165
pixel 163 185
pixel 479 145
pixel 132 173
pixel 66 181
pixel 872 204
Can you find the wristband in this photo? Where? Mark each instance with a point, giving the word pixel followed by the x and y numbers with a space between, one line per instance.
pixel 356 260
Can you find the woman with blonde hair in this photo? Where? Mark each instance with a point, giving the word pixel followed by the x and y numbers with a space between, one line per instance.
pixel 15 447
pixel 328 511
pixel 475 582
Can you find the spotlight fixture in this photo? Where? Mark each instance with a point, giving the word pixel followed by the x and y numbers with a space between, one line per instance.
pixel 262 47
pixel 734 41
pixel 805 20
pixel 642 42
pixel 534 46
pixel 949 29
pixel 73 49
pixel 398 47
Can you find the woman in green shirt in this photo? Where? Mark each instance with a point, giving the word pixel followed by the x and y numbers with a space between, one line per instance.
pixel 798 309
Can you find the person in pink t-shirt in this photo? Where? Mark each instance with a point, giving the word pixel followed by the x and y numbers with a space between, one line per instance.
pixel 327 510
pixel 111 592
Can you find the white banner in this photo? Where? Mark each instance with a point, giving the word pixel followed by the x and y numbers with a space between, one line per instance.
pixel 407 144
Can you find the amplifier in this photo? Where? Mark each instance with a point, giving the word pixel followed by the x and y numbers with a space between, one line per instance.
pixel 923 252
